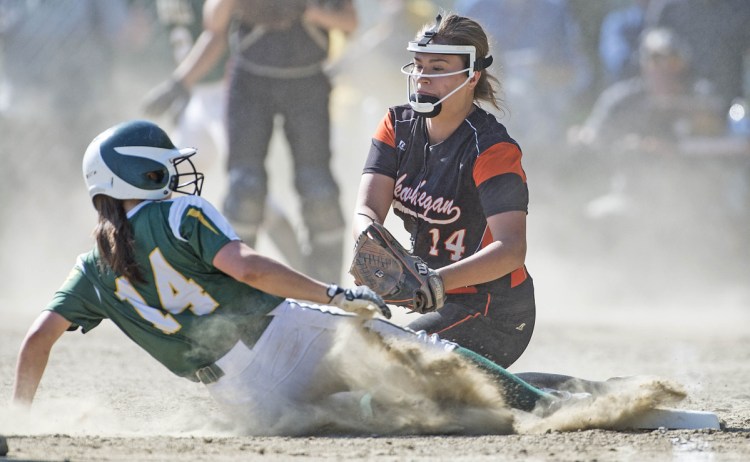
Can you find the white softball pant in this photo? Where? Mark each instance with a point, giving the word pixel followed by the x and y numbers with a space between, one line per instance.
pixel 279 371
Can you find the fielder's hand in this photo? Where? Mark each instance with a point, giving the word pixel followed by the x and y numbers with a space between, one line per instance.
pixel 361 300
pixel 168 96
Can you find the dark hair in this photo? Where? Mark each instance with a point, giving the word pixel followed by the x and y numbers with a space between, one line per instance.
pixel 115 240
pixel 460 30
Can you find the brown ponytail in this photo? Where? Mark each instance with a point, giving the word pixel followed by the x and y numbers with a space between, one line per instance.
pixel 115 240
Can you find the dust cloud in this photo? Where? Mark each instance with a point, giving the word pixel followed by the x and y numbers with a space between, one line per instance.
pixel 605 232
pixel 413 391
pixel 614 409
pixel 389 388
pixel 612 242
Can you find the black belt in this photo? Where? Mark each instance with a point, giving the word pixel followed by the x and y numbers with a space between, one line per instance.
pixel 209 374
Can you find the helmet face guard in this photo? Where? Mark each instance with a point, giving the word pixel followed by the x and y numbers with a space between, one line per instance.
pixel 137 160
pixel 189 181
pixel 430 106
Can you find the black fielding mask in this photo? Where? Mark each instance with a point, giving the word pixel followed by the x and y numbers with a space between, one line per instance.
pixel 436 108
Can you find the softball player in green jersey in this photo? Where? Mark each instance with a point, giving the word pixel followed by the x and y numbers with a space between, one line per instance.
pixel 174 277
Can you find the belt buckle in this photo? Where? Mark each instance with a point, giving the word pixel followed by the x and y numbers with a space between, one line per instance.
pixel 209 374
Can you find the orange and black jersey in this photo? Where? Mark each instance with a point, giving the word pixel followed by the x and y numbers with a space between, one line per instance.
pixel 445 192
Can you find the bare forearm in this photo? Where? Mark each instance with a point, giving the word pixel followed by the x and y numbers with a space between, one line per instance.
pixel 32 361
pixel 363 216
pixel 493 262
pixel 278 279
pixel 246 265
pixel 211 44
pixel 374 199
pixel 34 354
pixel 204 55
pixel 344 19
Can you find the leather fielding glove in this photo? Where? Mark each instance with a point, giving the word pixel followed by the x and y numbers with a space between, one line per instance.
pixel 383 264
pixel 170 95
pixel 360 300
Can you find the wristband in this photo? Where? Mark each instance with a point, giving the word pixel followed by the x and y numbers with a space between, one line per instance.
pixel 332 291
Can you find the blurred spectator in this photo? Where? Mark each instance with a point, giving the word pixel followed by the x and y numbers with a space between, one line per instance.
pixel 657 109
pixel 199 112
pixel 58 58
pixel 663 137
pixel 59 61
pixel 61 47
pixel 278 51
pixel 718 33
pixel 619 37
pixel 537 44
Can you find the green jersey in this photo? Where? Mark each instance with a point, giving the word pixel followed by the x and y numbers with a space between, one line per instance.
pixel 187 314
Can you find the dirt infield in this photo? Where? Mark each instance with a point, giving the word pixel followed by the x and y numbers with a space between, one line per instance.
pixel 610 303
pixel 104 399
pixel 589 445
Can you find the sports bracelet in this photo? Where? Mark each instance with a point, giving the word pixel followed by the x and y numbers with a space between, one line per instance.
pixel 368 216
pixel 332 291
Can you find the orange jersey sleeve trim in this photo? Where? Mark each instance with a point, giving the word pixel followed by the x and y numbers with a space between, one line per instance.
pixel 498 159
pixel 385 131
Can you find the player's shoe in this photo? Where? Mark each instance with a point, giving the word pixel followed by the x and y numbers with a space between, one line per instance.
pixel 560 399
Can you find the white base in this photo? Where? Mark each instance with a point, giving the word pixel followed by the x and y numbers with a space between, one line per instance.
pixel 674 419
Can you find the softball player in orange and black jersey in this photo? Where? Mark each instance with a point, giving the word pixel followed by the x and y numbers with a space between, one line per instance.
pixel 444 194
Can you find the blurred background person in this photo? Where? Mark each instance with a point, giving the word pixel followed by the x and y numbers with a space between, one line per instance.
pixel 544 67
pixel 654 110
pixel 647 132
pixel 715 30
pixel 65 77
pixel 194 98
pixel 718 33
pixel 620 37
pixel 58 63
pixel 278 50
pixel 196 113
